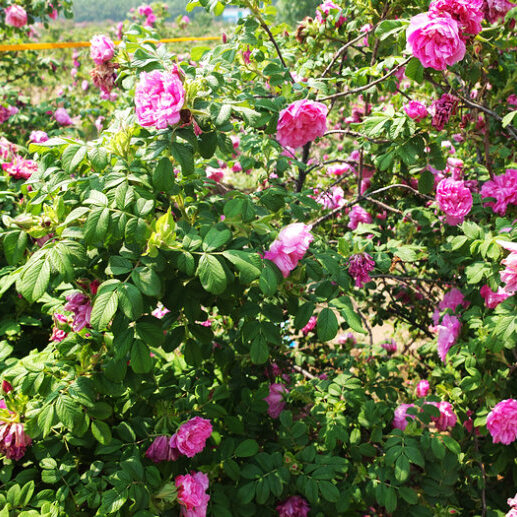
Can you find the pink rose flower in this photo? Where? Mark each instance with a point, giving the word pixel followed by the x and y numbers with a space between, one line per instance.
pixel 416 110
pixel 295 506
pixel 455 199
pixel 359 268
pixel 390 346
pixel 502 422
pixel 102 49
pixel 301 122
pixel 145 10
pixel 493 299
pixel 62 117
pixel 192 494
pixel 213 174
pixel 58 335
pixel 509 275
pixel 160 450
pixel 311 325
pixel 289 247
pixel 512 99
pixel 159 98
pixel 496 9
pixel 324 10
pixel 435 40
pixel 468 14
pixel 20 168
pixel 191 437
pixel 448 332
pixel 400 419
pixel 452 299
pixel 503 189
pixel 80 305
pixel 333 199
pixel 443 108
pixel 358 215
pixel 15 16
pixel 340 168
pixel 275 399
pixel 13 440
pixel 246 56
pixel 447 416
pixel 160 311
pixel 38 137
pixel 422 388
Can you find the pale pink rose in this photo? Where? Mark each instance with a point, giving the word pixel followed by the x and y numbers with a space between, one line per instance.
pixel 311 325
pixel 447 416
pixel 468 14
pixel 503 189
pixel 160 450
pixel 276 399
pixel 448 332
pixel 358 215
pixel 15 16
pixel 452 299
pixel 289 247
pixel 502 422
pixel 62 117
pixel 214 174
pixel 422 388
pixel 159 98
pixel 192 494
pixel 301 122
pixel 191 437
pixel 455 199
pixel 512 501
pixel 333 199
pixel 324 10
pixel 359 268
pixel 160 311
pixel 400 419
pixel 13 440
pixel 493 299
pixel 102 49
pixel 340 168
pixel 435 40
pixel 416 110
pixel 509 275
pixel 295 506
pixel 38 137
pixel 496 9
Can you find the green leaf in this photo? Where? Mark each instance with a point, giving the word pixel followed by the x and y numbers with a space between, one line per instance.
pixel 112 501
pixel 46 419
pixel 327 326
pixel 402 468
pixel 268 282
pixel 104 308
pixel 99 158
pixel 216 238
pixel 69 412
pixel 390 500
pixel 508 118
pixel 246 449
pixel 328 491
pixel 14 245
pixel 259 351
pixel 246 262
pixel 163 176
pixel 406 253
pixel 408 494
pixel 34 280
pixel 101 432
pixel 118 266
pixel 211 274
pixel 303 315
pixel 426 182
pixel 72 157
pixel 184 155
pixel 207 144
pixel 415 70
pixel 141 361
pixel 348 312
pixel 130 300
pixel 147 281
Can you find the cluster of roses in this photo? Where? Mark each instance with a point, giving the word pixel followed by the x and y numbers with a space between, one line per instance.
pixel 189 440
pixel 146 11
pixel 512 503
pixel 104 73
pixel 13 164
pixel 437 38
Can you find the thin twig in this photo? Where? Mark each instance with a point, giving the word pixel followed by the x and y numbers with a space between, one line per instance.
pixel 305 373
pixel 356 135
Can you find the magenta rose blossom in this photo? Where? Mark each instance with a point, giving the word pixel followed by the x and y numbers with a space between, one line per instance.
pixel 493 299
pixel 359 268
pixel 496 9
pixel 275 399
pixel 416 110
pixel 503 189
pixel 422 388
pixel 295 506
pixel 159 98
pixel 289 247
pixel 400 419
pixel 448 332
pixel 509 275
pixel 390 346
pixel 455 199
pixel 191 437
pixel 447 416
pixel 102 49
pixel 80 305
pixel 502 422
pixel 311 325
pixel 358 215
pixel 15 16
pixel 301 122
pixel 13 440
pixel 160 450
pixel 435 40
pixel 192 494
pixel 468 14
pixel 62 117
pixel 38 137
pixel 443 108
pixel 20 168
pixel 324 10
pixel 452 299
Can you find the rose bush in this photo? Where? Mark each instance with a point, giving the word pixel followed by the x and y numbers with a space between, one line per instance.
pixel 192 329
